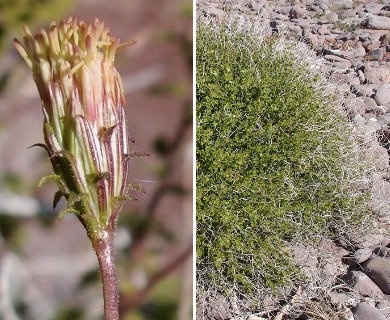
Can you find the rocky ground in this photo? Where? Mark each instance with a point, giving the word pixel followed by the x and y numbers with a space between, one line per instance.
pixel 352 38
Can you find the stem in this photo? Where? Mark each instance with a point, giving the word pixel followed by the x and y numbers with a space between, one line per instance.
pixel 105 253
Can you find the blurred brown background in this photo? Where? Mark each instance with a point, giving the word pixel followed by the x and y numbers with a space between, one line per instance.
pixel 47 268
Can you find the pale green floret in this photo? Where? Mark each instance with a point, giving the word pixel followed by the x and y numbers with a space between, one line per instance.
pixel 85 130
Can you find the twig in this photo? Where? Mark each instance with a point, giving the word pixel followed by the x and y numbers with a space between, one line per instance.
pixel 286 307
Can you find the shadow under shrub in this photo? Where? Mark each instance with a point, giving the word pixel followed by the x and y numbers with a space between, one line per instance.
pixel 273 161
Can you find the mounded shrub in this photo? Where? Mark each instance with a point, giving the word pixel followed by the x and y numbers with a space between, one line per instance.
pixel 274 160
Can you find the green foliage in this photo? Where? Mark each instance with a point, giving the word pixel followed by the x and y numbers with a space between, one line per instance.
pixel 273 160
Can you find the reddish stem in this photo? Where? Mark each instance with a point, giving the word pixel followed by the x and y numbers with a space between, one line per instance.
pixel 105 253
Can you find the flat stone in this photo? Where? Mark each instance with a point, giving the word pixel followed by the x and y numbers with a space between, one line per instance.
pixel 374 8
pixel 378 269
pixel 378 75
pixel 372 64
pixel 344 36
pixel 343 297
pixel 358 257
pixel 364 311
pixel 255 317
pixel 340 78
pixel 362 255
pixel 375 36
pixel 342 65
pixel 362 284
pixel 364 90
pixel 377 54
pixel 378 22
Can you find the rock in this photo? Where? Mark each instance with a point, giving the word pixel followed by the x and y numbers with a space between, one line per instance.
pixel 378 111
pixel 358 257
pixel 344 36
pixel 311 39
pixel 256 5
pixel 378 75
pixel 361 76
pixel 385 39
pixel 382 251
pixel 363 90
pixel 374 8
pixel 370 45
pixel 384 137
pixel 362 255
pixel 359 50
pixel 384 307
pixel 342 297
pixel 218 308
pixel 332 17
pixel 378 269
pixel 296 12
pixel 359 120
pixel 340 78
pixel 212 12
pixel 382 95
pixel 341 64
pixel 373 239
pixel 369 116
pixel 255 317
pixel 323 29
pixel 377 54
pixel 330 269
pixel 382 162
pixel 385 242
pixel 364 311
pixel 363 285
pixel 369 103
pixel 381 191
pixel 378 22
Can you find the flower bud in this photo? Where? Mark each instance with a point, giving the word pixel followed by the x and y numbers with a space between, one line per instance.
pixel 84 122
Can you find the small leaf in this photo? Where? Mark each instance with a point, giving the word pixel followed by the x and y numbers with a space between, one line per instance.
pixel 68 210
pixel 57 197
pixel 96 177
pixel 136 186
pixel 136 154
pixel 41 145
pixel 50 178
pixel 106 133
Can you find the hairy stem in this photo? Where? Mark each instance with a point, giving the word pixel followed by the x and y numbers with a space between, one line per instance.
pixel 106 256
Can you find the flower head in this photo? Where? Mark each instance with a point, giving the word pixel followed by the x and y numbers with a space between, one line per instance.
pixel 84 121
